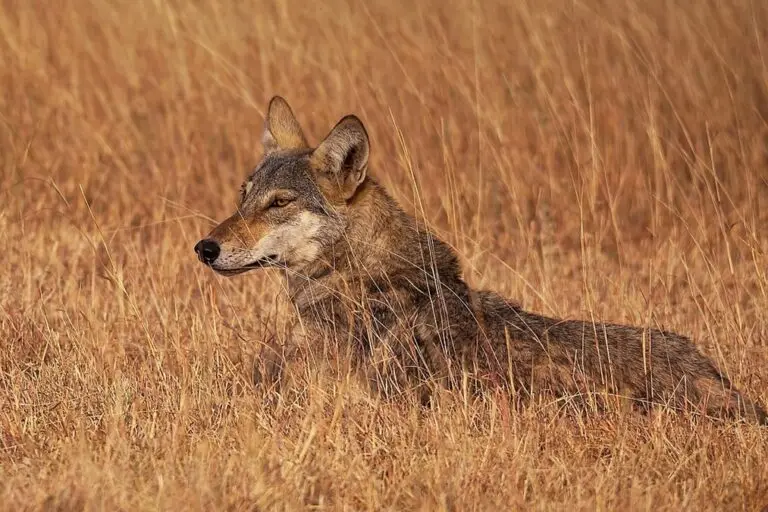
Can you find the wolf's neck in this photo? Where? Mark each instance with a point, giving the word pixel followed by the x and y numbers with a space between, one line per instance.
pixel 380 241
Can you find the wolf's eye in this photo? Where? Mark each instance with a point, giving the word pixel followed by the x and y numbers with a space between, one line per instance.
pixel 279 202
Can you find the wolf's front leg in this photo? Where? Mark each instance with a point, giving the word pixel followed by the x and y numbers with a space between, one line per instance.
pixel 268 367
pixel 282 364
pixel 276 360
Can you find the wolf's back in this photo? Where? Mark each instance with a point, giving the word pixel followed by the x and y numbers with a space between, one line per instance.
pixel 649 366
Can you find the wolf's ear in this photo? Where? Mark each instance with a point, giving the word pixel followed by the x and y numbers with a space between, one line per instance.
pixel 342 158
pixel 281 129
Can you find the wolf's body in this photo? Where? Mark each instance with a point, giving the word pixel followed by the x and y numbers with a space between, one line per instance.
pixel 369 277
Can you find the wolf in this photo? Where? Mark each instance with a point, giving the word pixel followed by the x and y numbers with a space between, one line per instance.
pixel 373 280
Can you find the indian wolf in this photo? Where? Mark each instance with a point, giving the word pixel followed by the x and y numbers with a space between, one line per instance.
pixel 364 275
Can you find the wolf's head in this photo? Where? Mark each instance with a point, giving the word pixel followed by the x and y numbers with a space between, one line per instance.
pixel 291 207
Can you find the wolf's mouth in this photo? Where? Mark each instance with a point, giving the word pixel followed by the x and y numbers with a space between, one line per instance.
pixel 265 262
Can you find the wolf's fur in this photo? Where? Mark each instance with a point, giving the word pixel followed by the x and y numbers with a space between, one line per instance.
pixel 363 273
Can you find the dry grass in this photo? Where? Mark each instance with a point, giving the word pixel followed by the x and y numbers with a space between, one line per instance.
pixel 595 157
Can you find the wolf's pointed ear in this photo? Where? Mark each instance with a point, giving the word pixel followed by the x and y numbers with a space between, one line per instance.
pixel 281 129
pixel 342 158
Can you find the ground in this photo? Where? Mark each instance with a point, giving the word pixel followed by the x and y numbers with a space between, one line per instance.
pixel 596 159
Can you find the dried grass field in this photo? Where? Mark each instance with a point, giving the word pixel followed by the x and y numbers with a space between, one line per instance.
pixel 601 159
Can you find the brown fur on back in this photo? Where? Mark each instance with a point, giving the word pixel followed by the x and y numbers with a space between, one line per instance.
pixel 395 293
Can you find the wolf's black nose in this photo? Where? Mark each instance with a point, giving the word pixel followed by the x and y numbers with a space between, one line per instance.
pixel 207 250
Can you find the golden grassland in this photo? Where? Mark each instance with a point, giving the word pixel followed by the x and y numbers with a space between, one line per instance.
pixel 590 158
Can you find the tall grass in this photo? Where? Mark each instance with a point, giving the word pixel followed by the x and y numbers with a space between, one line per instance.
pixel 594 158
